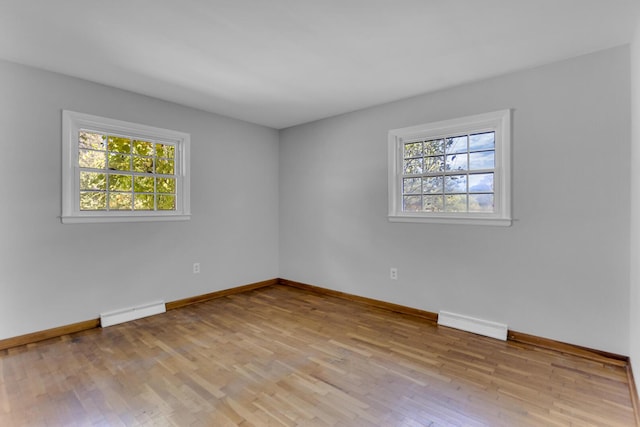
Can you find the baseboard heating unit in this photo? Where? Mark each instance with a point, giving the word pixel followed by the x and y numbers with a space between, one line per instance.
pixel 132 313
pixel 471 324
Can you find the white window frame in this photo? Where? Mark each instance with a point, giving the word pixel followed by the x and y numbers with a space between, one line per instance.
pixel 500 123
pixel 73 123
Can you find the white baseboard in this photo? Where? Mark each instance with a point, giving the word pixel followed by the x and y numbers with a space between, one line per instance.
pixel 132 313
pixel 471 324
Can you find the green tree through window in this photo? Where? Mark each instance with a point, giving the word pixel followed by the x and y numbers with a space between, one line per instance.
pixel 121 171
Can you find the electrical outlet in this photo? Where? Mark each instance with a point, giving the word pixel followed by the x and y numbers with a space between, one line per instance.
pixel 393 273
pixel 196 268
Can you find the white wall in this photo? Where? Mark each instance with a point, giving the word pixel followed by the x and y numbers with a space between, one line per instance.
pixel 53 274
pixel 561 271
pixel 635 205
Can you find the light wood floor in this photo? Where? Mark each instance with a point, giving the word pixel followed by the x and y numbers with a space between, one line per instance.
pixel 286 357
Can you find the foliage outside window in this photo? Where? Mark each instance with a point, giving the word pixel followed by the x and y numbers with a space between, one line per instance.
pixel 454 171
pixel 120 171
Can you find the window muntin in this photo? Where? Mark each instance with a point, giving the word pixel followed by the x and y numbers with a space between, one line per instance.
pixel 120 171
pixel 455 171
pixel 453 174
pixel 125 174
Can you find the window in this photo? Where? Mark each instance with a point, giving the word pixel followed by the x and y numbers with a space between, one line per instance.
pixel 115 171
pixel 454 171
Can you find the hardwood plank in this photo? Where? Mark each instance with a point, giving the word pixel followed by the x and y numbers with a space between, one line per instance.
pixel 279 355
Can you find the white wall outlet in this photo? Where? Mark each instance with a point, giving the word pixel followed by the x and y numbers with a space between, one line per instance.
pixel 393 273
pixel 196 268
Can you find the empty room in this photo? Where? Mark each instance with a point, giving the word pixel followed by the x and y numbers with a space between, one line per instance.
pixel 320 213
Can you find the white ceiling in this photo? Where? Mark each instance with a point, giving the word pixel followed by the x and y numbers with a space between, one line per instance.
pixel 284 62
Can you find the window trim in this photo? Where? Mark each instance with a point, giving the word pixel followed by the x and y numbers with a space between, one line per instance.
pixel 73 122
pixel 497 121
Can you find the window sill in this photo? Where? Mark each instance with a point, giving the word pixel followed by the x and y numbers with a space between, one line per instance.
pixel 466 220
pixel 93 219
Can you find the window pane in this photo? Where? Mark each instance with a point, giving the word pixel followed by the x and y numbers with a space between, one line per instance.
pixel 143 164
pixel 91 159
pixel 166 202
pixel 143 184
pixel 481 203
pixel 93 201
pixel 412 166
pixel 142 148
pixel 165 150
pixel 455 184
pixel 411 203
pixel 93 181
pixel 432 184
pixel 457 144
pixel 482 141
pixel 95 141
pixel 120 162
pixel 120 183
pixel 413 149
pixel 412 185
pixel 482 160
pixel 164 166
pixel 481 183
pixel 457 203
pixel 434 147
pixel 123 171
pixel 120 201
pixel 457 162
pixel 119 145
pixel 143 202
pixel 166 185
pixel 434 164
pixel 433 203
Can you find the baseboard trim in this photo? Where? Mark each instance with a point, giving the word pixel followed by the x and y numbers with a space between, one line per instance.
pixel 219 294
pixel 515 336
pixel 433 317
pixel 573 349
pixel 34 337
pixel 49 333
